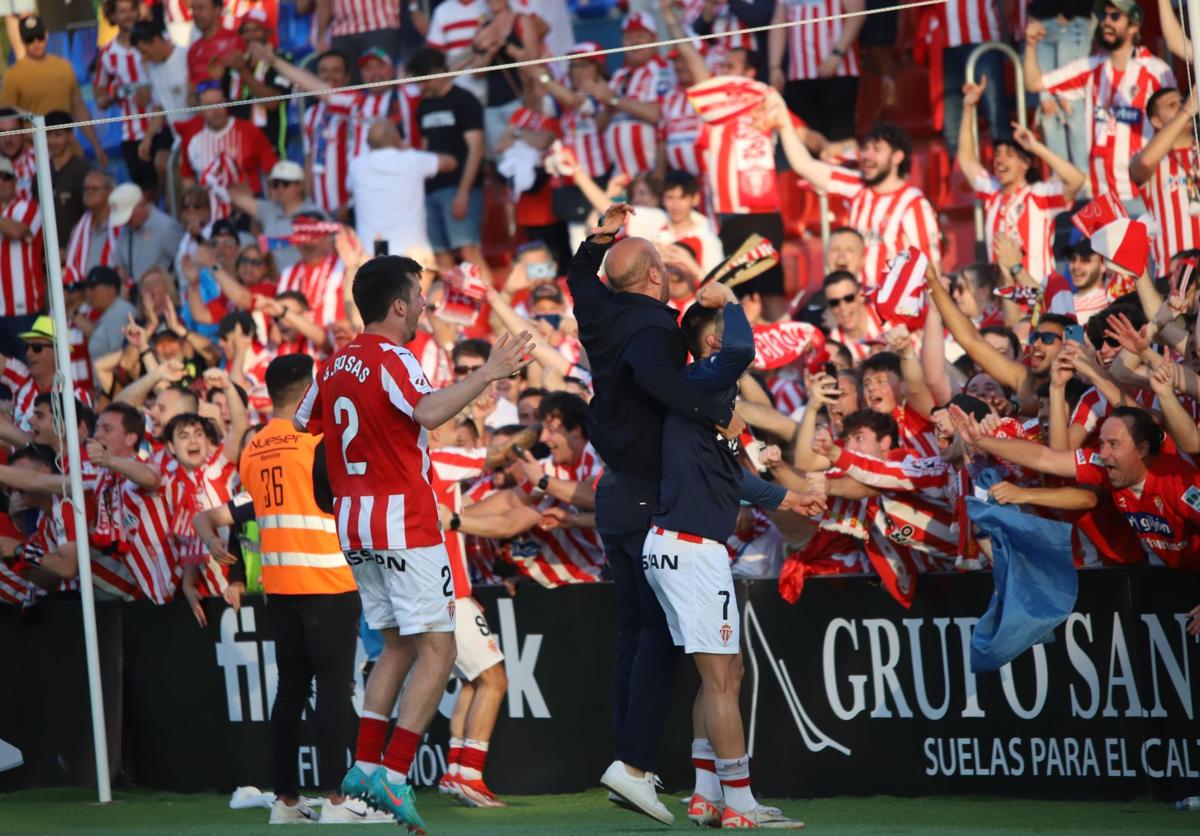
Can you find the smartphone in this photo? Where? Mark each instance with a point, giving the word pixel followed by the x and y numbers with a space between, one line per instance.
pixel 541 270
pixel 831 369
pixel 381 247
pixel 1073 333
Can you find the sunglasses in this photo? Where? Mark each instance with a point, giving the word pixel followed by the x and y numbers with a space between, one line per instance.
pixel 191 207
pixel 1113 16
pixel 7 176
pixel 844 300
pixel 1108 341
pixel 1044 337
pixel 463 371
pixel 253 262
pixel 36 348
pixel 279 184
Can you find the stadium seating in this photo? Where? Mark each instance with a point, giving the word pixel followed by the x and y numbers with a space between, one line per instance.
pixel 82 52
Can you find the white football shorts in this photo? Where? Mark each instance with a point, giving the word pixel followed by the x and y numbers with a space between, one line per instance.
pixel 692 580
pixel 477 646
pixel 409 590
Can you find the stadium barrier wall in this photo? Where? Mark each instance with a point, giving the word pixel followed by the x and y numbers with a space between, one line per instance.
pixel 846 693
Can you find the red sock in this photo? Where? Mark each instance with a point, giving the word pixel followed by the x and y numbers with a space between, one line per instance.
pixel 401 750
pixel 372 733
pixel 455 752
pixel 474 755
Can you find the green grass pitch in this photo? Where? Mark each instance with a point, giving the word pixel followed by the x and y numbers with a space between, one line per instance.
pixel 140 812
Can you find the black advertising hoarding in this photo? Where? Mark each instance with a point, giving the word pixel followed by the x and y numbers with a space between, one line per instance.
pixel 846 693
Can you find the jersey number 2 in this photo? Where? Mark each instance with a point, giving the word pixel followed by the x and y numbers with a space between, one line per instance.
pixel 344 407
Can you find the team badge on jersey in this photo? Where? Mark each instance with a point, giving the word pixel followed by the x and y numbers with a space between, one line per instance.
pixel 726 632
pixel 1191 498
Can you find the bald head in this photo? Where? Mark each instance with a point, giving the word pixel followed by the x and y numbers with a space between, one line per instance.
pixel 383 134
pixel 633 265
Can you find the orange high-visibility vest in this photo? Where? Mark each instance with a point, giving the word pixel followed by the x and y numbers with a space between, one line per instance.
pixel 301 553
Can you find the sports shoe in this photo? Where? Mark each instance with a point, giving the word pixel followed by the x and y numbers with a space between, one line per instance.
pixel 448 785
pixel 638 792
pixel 476 793
pixel 702 812
pixel 396 799
pixel 352 811
pixel 357 784
pixel 299 813
pixel 760 816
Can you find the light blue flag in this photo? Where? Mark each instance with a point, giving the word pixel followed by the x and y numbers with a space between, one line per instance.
pixel 1036 583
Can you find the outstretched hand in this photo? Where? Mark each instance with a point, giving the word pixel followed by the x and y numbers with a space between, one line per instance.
pixel 509 355
pixel 614 218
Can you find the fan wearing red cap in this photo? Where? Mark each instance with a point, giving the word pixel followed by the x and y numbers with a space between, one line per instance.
pixel 319 274
pixel 629 107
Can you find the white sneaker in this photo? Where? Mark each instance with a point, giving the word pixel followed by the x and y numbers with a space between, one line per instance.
pixel 301 813
pixel 638 792
pixel 353 811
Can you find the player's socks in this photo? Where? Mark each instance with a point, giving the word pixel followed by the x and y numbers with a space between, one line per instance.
pixel 735 783
pixel 474 756
pixel 401 750
pixel 452 760
pixel 708 784
pixel 372 734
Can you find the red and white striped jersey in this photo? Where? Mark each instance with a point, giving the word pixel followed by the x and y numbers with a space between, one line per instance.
pixel 88 247
pixel 482 552
pixel 134 526
pixel 739 158
pixel 25 164
pixel 17 378
pixel 1093 408
pixel 971 22
pixel 916 433
pixel 109 573
pixel 917 506
pixel 451 465
pixel 788 394
pixel 189 492
pixel 860 349
pixel 887 221
pixel 1027 214
pixel 353 17
pixel 1169 194
pixel 232 12
pixel 22 283
pixel 434 359
pixel 238 153
pixel 1117 102
pixel 582 135
pixel 630 142
pixel 176 11
pixel 327 137
pixel 452 29
pixel 321 284
pixel 81 357
pixel 369 106
pixel 378 455
pixel 811 43
pixel 119 71
pixel 14 589
pixel 562 556
pixel 679 132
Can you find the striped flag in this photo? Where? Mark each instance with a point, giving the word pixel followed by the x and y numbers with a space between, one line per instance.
pixel 900 299
pixel 724 97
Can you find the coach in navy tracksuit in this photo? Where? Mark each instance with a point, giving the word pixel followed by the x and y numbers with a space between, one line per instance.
pixel 637 354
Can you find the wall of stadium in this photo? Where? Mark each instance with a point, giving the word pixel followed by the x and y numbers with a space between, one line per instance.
pixel 846 693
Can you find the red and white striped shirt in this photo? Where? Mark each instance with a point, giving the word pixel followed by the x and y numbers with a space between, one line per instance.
pixel 452 29
pixel 451 465
pixel 134 526
pixel 1027 214
pixel 379 468
pixel 740 161
pixel 887 221
pixel 22 282
pixel 327 138
pixel 582 135
pixel 353 17
pixel 1117 103
pixel 119 71
pixel 971 22
pixel 369 106
pixel 811 43
pixel 916 432
pixel 190 492
pixel 630 142
pixel 1168 194
pixel 25 391
pixel 321 284
pixel 109 573
pixel 561 555
pixel 860 349
pixel 434 359
pixel 25 164
pixel 679 131
pixel 208 155
pixel 86 249
pixel 788 394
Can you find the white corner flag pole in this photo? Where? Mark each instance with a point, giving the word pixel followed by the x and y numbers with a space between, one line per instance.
pixel 62 354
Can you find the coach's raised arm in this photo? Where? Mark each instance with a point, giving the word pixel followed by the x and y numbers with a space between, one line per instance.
pixel 637 356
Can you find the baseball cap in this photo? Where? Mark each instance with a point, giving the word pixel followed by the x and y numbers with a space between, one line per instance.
pixel 42 329
pixel 6 166
pixel 374 53
pixel 287 170
pixel 103 275
pixel 121 203
pixel 32 29
pixel 639 21
pixel 256 15
pixel 584 47
pixel 1129 7
pixel 224 227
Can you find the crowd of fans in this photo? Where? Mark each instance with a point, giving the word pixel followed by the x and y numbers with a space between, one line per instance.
pixel 1051 375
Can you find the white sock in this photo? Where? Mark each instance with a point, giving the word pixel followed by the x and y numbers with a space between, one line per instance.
pixel 367 768
pixel 708 784
pixel 397 777
pixel 735 783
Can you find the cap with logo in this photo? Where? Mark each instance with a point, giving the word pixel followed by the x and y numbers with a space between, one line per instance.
pixel 121 203
pixel 374 53
pixel 32 29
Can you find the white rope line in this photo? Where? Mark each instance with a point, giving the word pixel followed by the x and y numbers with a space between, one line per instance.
pixel 532 62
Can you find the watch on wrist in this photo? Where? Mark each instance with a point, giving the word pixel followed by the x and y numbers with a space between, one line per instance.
pixel 543 483
pixel 1014 270
pixel 455 521
pixel 838 52
pixel 544 78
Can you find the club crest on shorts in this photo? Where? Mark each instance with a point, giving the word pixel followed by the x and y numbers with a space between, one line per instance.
pixel 450 608
pixel 726 632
